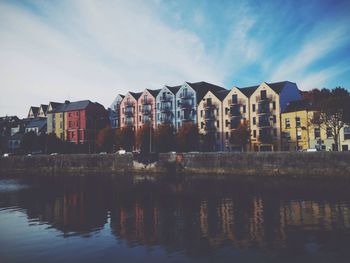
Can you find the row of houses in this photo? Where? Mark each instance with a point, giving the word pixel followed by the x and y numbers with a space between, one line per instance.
pixel 277 117
pixel 75 122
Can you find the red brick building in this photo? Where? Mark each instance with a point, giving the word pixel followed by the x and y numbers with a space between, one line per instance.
pixel 83 120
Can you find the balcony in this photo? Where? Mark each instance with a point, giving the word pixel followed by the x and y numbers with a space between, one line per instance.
pixel 235 122
pixel 186 104
pixel 187 118
pixel 238 102
pixel 264 124
pixel 209 105
pixel 186 95
pixel 166 98
pixel 146 102
pixel 266 98
pixel 167 119
pixel 129 112
pixel 209 126
pixel 235 110
pixel 209 115
pixel 264 107
pixel 146 111
pixel 265 136
pixel 165 107
pixel 129 122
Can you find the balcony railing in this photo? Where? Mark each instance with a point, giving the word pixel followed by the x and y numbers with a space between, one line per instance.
pixel 166 119
pixel 264 109
pixel 235 122
pixel 265 136
pixel 146 102
pixel 185 104
pixel 209 105
pixel 209 126
pixel 166 98
pixel 262 124
pixel 146 111
pixel 186 95
pixel 129 113
pixel 238 102
pixel 187 118
pixel 129 104
pixel 165 108
pixel 267 98
pixel 235 110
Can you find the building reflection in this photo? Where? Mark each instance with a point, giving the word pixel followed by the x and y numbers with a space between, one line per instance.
pixel 196 218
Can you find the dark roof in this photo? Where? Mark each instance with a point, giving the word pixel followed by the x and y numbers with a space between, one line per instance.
pixel 44 106
pixel 136 95
pixel 221 95
pixel 278 86
pixel 174 89
pixel 154 92
pixel 248 91
pixel 40 123
pixel 299 105
pixel 77 105
pixel 34 109
pixel 203 87
pixel 54 105
pixel 9 119
pixel 121 95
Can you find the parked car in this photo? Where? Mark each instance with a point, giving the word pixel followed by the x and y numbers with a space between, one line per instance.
pixel 312 150
pixel 121 152
pixel 102 153
pixel 6 154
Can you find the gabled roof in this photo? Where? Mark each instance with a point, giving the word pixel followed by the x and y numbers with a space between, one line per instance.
pixel 77 105
pixel 44 107
pixel 278 86
pixel 34 109
pixel 248 91
pixel 299 105
pixel 121 95
pixel 203 87
pixel 154 92
pixel 221 95
pixel 54 105
pixel 40 123
pixel 136 95
pixel 174 89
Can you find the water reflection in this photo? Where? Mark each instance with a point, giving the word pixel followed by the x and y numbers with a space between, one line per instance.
pixel 198 217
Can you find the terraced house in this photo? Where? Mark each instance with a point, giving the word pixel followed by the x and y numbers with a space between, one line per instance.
pixel 187 99
pixel 147 108
pixel 55 120
pixel 114 112
pixel 129 110
pixel 236 112
pixel 166 106
pixel 210 119
pixel 267 103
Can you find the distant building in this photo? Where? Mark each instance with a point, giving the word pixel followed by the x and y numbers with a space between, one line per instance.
pixel 33 112
pixel 166 106
pixel 296 125
pixel 55 120
pixel 267 103
pixel 210 119
pixel 114 112
pixel 129 110
pixel 236 112
pixel 37 125
pixel 147 108
pixel 345 138
pixel 187 99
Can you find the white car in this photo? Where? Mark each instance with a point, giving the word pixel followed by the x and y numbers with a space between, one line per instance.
pixel 6 154
pixel 121 152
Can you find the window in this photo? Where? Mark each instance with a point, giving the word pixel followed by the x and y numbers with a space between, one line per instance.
pixel 253 107
pixel 178 114
pixel 274 105
pixel 297 122
pixel 234 98
pixel 274 118
pixel 254 133
pixel 226 111
pixel 287 135
pixel 217 124
pixel 139 118
pixel 263 94
pixel 317 132
pixel 298 135
pixel 226 135
pixel 287 123
pixel 201 113
pixel 346 133
pixel 158 104
pixel 254 120
pixel 202 125
pixel 226 123
pixel 244 109
pixel 217 112
pixel 329 132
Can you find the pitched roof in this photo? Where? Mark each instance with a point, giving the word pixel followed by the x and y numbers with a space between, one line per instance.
pixel 34 110
pixel 136 95
pixel 299 105
pixel 54 105
pixel 278 86
pixel 40 123
pixel 203 87
pixel 248 91
pixel 121 95
pixel 44 107
pixel 174 89
pixel 154 92
pixel 221 94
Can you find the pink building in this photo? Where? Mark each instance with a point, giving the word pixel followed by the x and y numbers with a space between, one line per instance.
pixel 129 110
pixel 147 108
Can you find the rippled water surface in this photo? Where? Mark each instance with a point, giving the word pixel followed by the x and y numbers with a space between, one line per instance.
pixel 185 219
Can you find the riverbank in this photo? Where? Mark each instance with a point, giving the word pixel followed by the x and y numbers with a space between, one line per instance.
pixel 296 164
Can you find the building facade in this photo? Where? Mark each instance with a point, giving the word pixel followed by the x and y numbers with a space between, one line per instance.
pixel 166 106
pixel 267 103
pixel 114 112
pixel 146 104
pixel 129 110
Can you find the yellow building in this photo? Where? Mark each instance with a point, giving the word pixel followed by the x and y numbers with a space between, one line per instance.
pixel 296 126
pixel 267 103
pixel 210 120
pixel 55 119
pixel 236 112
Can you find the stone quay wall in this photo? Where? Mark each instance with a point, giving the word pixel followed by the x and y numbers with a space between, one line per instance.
pixel 287 164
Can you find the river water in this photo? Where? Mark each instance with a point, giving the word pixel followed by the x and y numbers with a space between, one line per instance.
pixel 183 219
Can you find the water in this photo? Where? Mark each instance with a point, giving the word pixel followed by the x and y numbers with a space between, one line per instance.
pixel 126 219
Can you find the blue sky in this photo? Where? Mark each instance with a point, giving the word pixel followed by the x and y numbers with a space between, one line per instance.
pixel 57 50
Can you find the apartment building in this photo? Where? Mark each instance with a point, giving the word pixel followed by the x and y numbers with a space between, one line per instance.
pixel 166 106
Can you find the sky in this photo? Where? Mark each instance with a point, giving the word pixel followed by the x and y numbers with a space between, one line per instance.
pixel 85 49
